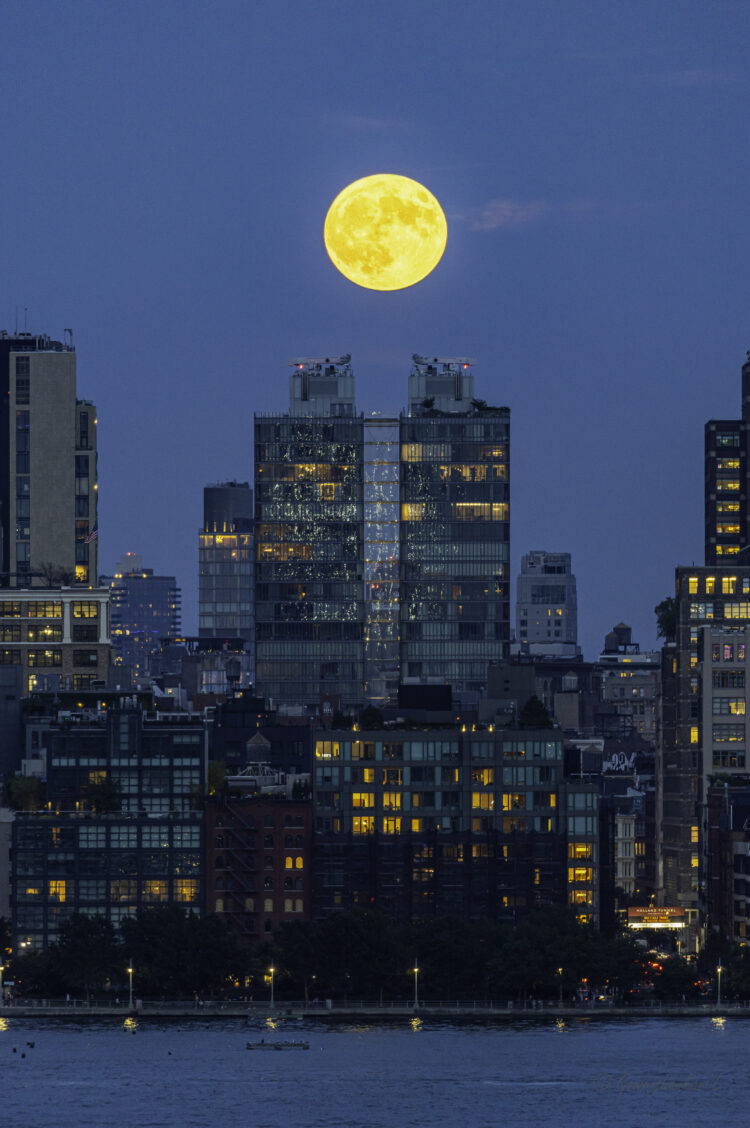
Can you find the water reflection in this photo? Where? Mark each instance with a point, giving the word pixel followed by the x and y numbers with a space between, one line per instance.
pixel 718 1022
pixel 130 1025
pixel 416 1024
pixel 4 1025
pixel 272 1024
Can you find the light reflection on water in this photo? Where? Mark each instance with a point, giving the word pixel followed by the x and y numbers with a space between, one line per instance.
pixel 374 1076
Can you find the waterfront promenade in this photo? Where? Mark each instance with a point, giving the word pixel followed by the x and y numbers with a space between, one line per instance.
pixel 363 1010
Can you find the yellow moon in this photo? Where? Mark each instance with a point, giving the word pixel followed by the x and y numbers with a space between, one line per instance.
pixel 385 232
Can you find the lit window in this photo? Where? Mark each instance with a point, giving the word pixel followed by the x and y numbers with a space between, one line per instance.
pixel 57 890
pixel 155 890
pixel 185 890
pixel 694 734
pixel 363 824
pixel 692 585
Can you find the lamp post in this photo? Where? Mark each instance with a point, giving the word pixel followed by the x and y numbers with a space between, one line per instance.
pixel 130 985
pixel 271 971
pixel 2 969
pixel 415 973
pixel 718 984
pixel 559 974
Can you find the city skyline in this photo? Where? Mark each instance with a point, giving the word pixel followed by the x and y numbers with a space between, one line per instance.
pixel 590 166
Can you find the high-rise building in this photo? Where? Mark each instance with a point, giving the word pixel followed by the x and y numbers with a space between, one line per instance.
pixel 455 528
pixel 145 609
pixel 727 491
pixel 382 543
pixel 309 619
pixel 225 555
pixel 48 499
pixel 703 729
pixel 547 605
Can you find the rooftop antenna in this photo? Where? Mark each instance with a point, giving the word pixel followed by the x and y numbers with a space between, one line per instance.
pixel 25 311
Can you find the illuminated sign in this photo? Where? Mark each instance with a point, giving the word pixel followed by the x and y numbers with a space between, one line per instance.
pixel 657 916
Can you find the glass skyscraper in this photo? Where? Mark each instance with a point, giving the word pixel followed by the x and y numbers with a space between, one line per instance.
pixel 382 544
pixel 310 542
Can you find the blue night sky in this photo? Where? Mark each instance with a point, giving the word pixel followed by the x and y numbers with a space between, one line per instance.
pixel 167 169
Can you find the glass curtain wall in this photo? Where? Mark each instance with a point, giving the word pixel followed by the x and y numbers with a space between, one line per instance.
pixel 455 612
pixel 381 537
pixel 309 560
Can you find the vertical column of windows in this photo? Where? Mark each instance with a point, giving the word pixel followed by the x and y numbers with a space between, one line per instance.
pixel 23 500
pixel 82 529
pixel 381 541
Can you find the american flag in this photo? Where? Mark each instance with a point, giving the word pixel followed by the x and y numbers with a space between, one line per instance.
pixel 93 534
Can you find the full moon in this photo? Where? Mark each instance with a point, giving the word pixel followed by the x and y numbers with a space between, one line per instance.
pixel 385 232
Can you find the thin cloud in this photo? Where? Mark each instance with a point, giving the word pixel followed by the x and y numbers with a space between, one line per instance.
pixel 507 213
pixel 503 212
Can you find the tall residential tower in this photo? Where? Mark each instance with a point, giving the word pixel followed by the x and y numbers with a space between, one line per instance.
pixel 48 501
pixel 382 543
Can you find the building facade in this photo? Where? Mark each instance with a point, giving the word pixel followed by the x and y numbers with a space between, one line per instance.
pixel 452 823
pixel 382 543
pixel 258 863
pixel 703 733
pixel 225 564
pixel 58 637
pixel 48 475
pixel 121 829
pixel 145 609
pixel 547 605
pixel 727 489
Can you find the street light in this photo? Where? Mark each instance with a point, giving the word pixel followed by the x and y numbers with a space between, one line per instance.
pixel 2 969
pixel 559 972
pixel 415 973
pixel 271 971
pixel 718 984
pixel 130 985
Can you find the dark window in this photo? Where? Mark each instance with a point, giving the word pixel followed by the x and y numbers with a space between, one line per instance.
pixel 23 378
pixel 87 633
pixel 85 657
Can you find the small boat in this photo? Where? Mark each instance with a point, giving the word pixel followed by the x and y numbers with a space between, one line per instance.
pixel 263 1045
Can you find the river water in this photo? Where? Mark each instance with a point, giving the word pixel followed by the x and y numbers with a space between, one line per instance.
pixel 629 1073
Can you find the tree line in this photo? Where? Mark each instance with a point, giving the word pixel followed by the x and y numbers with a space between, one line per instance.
pixel 365 955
